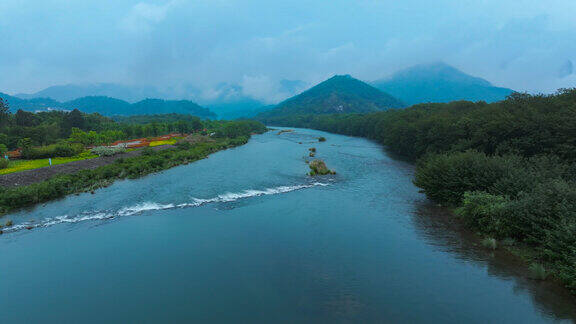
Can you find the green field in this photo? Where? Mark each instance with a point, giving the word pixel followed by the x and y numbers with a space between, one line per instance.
pixel 23 165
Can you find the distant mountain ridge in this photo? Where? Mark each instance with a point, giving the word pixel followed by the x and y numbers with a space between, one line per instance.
pixel 339 94
pixel 227 100
pixel 110 106
pixel 68 92
pixel 439 82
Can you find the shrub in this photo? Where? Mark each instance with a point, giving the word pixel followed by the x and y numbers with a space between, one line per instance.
pixel 108 151
pixel 51 151
pixel 446 177
pixel 318 167
pixel 485 212
pixel 147 151
pixel 3 163
pixel 489 243
pixel 537 271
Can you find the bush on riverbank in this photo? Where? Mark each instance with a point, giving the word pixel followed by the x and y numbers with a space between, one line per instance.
pixel 52 151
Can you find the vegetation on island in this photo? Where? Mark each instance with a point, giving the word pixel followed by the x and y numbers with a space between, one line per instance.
pixel 507 168
pixel 318 167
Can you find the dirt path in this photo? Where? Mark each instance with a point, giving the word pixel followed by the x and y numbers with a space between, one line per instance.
pixel 28 177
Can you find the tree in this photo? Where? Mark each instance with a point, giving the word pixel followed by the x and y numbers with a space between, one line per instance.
pixel 4 139
pixel 26 145
pixel 25 118
pixel 75 119
pixel 4 113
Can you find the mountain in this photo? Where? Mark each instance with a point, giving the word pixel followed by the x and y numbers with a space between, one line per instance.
pixel 15 103
pixel 339 94
pixel 159 106
pixel 110 106
pixel 73 91
pixel 439 82
pixel 99 104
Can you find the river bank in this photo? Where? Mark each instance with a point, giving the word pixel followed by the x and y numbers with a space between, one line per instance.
pixel 28 177
pixel 83 177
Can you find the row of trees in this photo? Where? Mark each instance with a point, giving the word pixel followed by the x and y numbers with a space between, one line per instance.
pixel 46 128
pixel 507 167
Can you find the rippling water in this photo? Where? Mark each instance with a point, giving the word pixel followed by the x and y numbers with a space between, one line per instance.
pixel 246 236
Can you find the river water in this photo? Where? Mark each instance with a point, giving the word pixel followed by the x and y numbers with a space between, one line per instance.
pixel 246 236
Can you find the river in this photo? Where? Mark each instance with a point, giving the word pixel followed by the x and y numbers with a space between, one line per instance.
pixel 246 236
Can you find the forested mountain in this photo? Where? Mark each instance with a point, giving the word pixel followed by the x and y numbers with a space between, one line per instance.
pixel 110 106
pixel 16 103
pixel 439 82
pixel 159 106
pixel 102 105
pixel 339 94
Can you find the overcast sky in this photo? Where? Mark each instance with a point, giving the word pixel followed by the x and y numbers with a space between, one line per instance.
pixel 527 45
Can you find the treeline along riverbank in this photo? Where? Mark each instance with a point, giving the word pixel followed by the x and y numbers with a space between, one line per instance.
pixel 507 169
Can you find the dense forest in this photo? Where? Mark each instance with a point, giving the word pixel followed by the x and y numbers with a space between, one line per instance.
pixel 507 168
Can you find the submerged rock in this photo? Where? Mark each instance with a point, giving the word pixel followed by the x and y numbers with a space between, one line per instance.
pixel 318 167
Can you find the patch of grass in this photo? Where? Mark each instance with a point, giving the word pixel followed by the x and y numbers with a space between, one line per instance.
pixel 166 142
pixel 23 165
pixel 537 271
pixel 489 243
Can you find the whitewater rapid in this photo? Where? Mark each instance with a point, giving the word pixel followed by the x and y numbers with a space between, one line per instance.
pixel 154 206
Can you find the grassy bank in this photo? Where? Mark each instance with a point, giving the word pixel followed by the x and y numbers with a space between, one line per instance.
pixel 507 169
pixel 23 165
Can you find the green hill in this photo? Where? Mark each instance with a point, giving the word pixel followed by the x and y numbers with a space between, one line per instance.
pixel 339 94
pixel 159 106
pixel 99 104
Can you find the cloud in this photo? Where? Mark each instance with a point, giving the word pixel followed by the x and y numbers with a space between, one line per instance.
pixel 261 87
pixel 523 44
pixel 143 16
